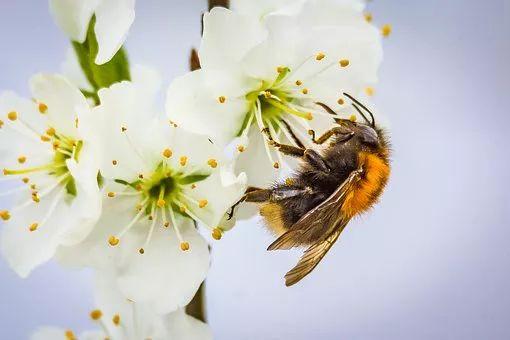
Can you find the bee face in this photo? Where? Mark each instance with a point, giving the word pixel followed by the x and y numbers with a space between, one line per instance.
pixel 363 134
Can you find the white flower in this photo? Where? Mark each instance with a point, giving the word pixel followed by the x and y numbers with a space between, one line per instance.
pixel 113 20
pixel 120 319
pixel 160 180
pixel 46 156
pixel 261 8
pixel 268 75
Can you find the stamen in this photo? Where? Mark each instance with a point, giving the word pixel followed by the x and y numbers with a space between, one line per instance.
pixel 320 56
pixel 368 17
pixel 111 194
pixel 202 203
pixel 289 110
pixel 113 241
pixel 151 230
pixel 217 234
pixel 167 153
pixel 386 30
pixel 222 99
pixel 70 335
pixel 340 101
pixel 305 91
pixel 258 116
pixel 13 115
pixel 114 162
pixel 33 227
pixel 5 215
pixel 133 221
pixel 22 159
pixel 369 91
pixel 241 148
pixel 42 108
pixel 183 160
pixel 1 123
pixel 51 131
pixel 276 165
pixel 184 245
pixel 116 319
pixel 212 163
pixel 299 82
pixel 352 118
pixel 344 62
pixel 161 202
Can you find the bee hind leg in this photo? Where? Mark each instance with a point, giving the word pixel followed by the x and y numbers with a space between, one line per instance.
pixel 310 156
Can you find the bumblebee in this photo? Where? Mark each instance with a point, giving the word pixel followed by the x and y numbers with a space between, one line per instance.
pixel 332 186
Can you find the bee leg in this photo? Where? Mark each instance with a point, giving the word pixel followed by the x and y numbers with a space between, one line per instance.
pixel 248 191
pixel 310 156
pixel 337 130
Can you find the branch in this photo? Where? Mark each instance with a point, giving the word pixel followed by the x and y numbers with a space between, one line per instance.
pixel 218 3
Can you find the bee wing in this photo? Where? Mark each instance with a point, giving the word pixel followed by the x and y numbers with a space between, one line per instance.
pixel 313 255
pixel 319 221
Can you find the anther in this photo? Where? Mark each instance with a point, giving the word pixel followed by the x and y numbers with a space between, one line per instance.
pixel 340 101
pixel 96 314
pixel 22 159
pixel 113 241
pixel 1 123
pixel 13 115
pixel 5 215
pixel 32 186
pixel 344 62
pixel 56 145
pixel 161 203
pixel 386 30
pixel 183 160
pixel 216 234
pixel 222 99
pixel 193 186
pixel 116 319
pixel 167 153
pixel 123 129
pixel 70 335
pixel 280 69
pixel 166 224
pixel 368 17
pixel 114 162
pixel 50 131
pixel 352 118
pixel 369 91
pixel 184 246
pixel 140 176
pixel 33 227
pixel 45 138
pixel 299 82
pixel 305 91
pixel 26 180
pixel 267 94
pixel 42 108
pixel 35 198
pixel 182 208
pixel 202 203
pixel 141 251
pixel 320 56
pixel 212 163
pixel 309 116
pixel 240 148
pixel 111 194
pixel 276 165
pixel 138 187
pixel 289 181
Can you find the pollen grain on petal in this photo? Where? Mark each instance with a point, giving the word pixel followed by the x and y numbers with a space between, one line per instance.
pixel 1 123
pixel 45 138
pixel 276 165
pixel 25 180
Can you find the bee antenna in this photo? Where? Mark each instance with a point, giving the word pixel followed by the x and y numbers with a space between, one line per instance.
pixel 355 101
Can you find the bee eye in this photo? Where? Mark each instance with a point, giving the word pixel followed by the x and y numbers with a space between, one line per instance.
pixel 369 136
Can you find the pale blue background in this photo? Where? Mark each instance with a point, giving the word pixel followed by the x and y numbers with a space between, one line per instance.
pixel 431 261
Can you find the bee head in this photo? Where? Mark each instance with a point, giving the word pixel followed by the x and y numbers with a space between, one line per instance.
pixel 361 133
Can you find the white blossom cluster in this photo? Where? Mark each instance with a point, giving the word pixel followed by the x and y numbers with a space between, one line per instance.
pixel 101 177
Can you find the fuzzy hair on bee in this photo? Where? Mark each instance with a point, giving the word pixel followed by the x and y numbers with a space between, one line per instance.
pixel 332 186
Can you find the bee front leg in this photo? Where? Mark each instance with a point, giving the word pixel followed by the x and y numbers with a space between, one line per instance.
pixel 337 130
pixel 310 156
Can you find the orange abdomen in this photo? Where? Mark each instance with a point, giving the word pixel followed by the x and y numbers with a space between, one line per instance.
pixel 365 193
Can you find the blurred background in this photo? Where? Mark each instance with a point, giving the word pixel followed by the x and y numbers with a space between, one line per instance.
pixel 432 260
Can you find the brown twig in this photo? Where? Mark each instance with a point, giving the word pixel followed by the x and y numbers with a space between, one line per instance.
pixel 218 3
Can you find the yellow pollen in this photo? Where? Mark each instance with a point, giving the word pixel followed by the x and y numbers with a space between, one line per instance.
pixel 113 241
pixel 32 186
pixel 111 194
pixel 25 180
pixel 299 82
pixel 386 30
pixel 222 99
pixel 369 91
pixel 50 132
pixel 309 116
pixel 289 181
pixel 240 148
pixel 344 62
pixel 217 234
pixel 69 335
pixel 45 138
pixel 35 198
pixel 166 224
pixel 116 319
pixel 212 163
pixel 22 159
pixel 193 186
pixel 183 160
pixel 202 203
pixel 5 215
pixel 138 187
pixel 276 165
pixel 320 56
pixel 280 69
pixel 43 108
pixel 368 17
pixel 33 227
pixel 167 153
pixel 161 203
pixel 184 246
pixel 1 123
pixel 305 91
pixel 114 162
pixel 96 314
pixel 13 115
pixel 267 94
pixel 352 118
pixel 141 251
pixel 340 101
pixel 182 208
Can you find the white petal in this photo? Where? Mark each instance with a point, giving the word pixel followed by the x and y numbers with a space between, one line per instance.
pixel 63 101
pixel 113 20
pixel 193 102
pixel 261 8
pixel 73 16
pixel 227 37
pixel 184 327
pixel 71 69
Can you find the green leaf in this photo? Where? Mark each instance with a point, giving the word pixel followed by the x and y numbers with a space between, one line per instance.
pixel 71 187
pixel 100 76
